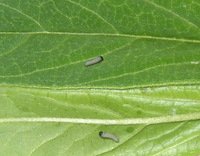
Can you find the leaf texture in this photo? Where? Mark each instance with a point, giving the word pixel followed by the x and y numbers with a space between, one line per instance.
pixel 146 91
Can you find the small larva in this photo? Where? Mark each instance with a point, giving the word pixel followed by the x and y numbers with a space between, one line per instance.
pixel 106 135
pixel 93 61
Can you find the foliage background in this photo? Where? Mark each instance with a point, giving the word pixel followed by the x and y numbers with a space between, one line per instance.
pixel 146 91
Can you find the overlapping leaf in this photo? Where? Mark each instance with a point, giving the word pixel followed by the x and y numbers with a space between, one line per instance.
pixel 146 91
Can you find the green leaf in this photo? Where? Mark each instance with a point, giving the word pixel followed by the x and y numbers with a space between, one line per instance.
pixel 146 91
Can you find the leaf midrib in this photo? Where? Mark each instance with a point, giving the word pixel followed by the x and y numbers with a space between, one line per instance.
pixel 76 88
pixel 184 40
pixel 129 121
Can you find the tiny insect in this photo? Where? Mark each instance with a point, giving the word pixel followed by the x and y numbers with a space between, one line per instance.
pixel 93 61
pixel 106 135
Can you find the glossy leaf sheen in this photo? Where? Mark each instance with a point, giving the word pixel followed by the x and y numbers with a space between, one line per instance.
pixel 146 90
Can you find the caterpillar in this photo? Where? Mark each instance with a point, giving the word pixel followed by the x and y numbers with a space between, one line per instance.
pixel 106 135
pixel 93 61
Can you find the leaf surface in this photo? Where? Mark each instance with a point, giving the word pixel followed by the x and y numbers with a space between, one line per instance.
pixel 146 91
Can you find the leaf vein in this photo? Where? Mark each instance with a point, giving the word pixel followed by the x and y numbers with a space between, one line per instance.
pixel 172 13
pixel 184 40
pixel 22 13
pixel 63 65
pixel 135 73
pixel 94 13
pixel 127 121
